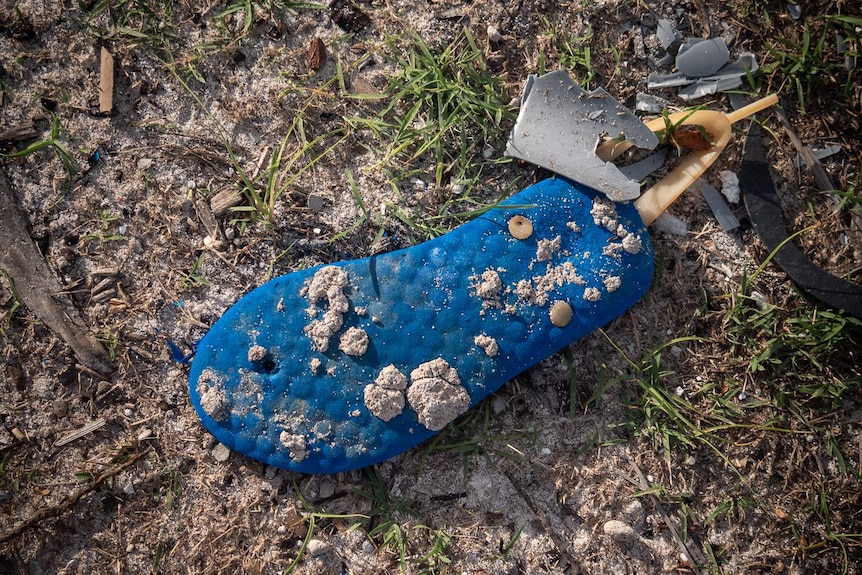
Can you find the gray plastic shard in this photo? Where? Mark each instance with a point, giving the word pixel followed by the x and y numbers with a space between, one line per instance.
pixel 640 170
pixel 667 33
pixel 700 57
pixel 559 127
pixel 719 207
pixel 656 80
pixel 727 78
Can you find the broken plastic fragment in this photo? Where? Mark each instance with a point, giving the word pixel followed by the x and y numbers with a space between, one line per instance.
pixel 655 80
pixel 795 10
pixel 667 33
pixel 700 57
pixel 649 103
pixel 718 206
pixel 820 154
pixel 640 170
pixel 569 148
pixel 727 78
pixel 707 86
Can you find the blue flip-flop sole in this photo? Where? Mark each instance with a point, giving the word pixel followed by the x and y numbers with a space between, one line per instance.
pixel 340 366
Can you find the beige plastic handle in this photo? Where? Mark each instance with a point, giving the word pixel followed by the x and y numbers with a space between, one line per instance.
pixel 656 199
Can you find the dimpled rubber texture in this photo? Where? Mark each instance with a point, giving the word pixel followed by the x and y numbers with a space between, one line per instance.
pixel 292 406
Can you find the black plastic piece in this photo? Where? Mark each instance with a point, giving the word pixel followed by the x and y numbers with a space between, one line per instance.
pixel 764 209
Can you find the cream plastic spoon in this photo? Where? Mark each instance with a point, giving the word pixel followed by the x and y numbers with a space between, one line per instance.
pixel 717 124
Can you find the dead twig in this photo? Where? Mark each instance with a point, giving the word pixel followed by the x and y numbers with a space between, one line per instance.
pixel 694 554
pixel 69 500
pixel 37 286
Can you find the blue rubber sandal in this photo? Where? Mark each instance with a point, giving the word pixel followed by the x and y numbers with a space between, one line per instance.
pixel 344 365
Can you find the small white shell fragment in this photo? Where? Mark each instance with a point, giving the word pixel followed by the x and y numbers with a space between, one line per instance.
pixel 221 452
pixel 316 548
pixel 520 227
pixel 561 313
pixel 730 186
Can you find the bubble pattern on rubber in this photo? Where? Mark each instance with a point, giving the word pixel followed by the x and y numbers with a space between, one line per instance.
pixel 416 305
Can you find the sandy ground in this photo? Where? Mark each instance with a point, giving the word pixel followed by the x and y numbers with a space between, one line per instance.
pixel 556 472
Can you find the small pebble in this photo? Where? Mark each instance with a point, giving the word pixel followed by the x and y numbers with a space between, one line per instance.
pixel 620 532
pixel 129 488
pixel 498 404
pixel 316 548
pixel 493 34
pixel 327 488
pixel 221 452
pixel 145 434
pixel 60 407
pixel 315 203
pixel 633 513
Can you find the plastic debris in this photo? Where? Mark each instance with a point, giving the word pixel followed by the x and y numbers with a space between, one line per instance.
pixel 483 316
pixel 668 223
pixel 649 103
pixel 719 207
pixel 819 153
pixel 795 10
pixel 703 65
pixel 764 209
pixel 569 148
pixel 640 170
pixel 698 57
pixel 667 34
